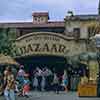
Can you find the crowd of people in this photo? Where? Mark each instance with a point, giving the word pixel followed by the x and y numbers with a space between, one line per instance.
pixel 21 82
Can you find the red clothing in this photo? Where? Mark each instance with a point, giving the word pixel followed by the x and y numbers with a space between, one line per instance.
pixel 26 88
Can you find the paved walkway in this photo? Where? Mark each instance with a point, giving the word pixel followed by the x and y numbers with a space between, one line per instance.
pixel 53 96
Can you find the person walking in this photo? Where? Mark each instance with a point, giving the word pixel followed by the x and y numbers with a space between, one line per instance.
pixel 20 79
pixel 56 83
pixel 65 80
pixel 39 77
pixel 9 85
pixel 43 83
pixel 35 83
pixel 26 85
pixel 1 84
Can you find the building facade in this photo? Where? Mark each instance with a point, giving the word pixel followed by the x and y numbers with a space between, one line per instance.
pixel 48 43
pixel 81 28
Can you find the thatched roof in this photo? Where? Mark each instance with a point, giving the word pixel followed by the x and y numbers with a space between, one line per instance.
pixel 7 60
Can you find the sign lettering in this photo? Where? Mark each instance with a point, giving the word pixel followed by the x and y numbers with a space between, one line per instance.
pixel 47 43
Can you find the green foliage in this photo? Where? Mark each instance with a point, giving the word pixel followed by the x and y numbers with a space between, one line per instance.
pixel 7 40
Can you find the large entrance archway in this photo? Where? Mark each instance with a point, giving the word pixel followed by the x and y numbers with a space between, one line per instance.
pixel 42 49
pixel 55 63
pixel 46 49
pixel 48 43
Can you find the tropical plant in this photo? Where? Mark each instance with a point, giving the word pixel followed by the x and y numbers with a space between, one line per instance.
pixel 7 40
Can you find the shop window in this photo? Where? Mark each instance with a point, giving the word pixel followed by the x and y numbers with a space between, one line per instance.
pixel 76 32
pixel 35 18
pixel 21 32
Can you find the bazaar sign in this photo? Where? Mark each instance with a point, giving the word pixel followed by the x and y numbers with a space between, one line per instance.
pixel 43 43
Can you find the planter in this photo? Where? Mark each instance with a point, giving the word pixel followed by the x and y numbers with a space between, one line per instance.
pixel 87 90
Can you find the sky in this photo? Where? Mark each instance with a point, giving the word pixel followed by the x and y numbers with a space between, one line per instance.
pixel 21 10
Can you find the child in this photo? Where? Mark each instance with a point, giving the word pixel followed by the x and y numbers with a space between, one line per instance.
pixel 26 86
pixel 65 80
pixel 65 84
